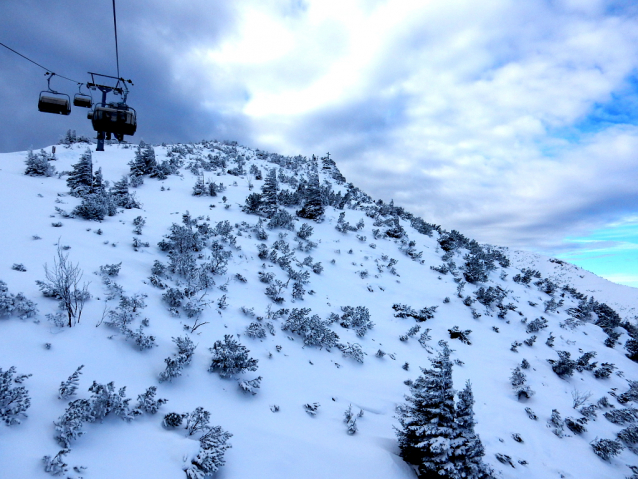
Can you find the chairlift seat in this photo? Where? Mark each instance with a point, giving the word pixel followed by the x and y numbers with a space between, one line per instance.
pixel 54 103
pixel 83 101
pixel 119 121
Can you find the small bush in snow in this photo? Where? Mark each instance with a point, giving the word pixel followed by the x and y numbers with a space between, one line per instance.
pixel 255 330
pixel 577 426
pixel 518 380
pixel 212 447
pixel 404 311
pixel 111 269
pixel 531 340
pixel 356 318
pixel 55 465
pixel 353 351
pixel 463 336
pixel 173 420
pixel 70 386
pixel 565 366
pixel 589 411
pixel 250 386
pixel 536 325
pixel 176 363
pixel 197 420
pixel 606 448
pixel 14 398
pixel 63 283
pixel 555 423
pixel 604 371
pixel 147 403
pixel 629 435
pixel 230 358
pixel 15 303
pixel 631 394
pixel 622 416
pixel 313 330
pixel 312 409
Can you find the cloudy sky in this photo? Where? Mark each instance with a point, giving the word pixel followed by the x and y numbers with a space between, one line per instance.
pixel 515 122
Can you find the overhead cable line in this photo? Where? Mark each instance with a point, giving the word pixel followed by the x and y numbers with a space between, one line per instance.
pixel 48 70
pixel 117 55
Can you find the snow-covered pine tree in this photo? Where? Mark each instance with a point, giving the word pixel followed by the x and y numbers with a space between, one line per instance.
pixel 144 162
pixel 468 450
pixel 96 206
pixel 313 208
pixel 80 180
pixel 268 201
pixel 38 164
pixel 121 195
pixel 427 420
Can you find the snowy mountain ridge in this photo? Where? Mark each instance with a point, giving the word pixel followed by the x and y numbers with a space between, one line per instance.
pixel 337 315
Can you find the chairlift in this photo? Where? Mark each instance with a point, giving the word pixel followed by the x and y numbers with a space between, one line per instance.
pixel 118 119
pixel 51 101
pixel 82 99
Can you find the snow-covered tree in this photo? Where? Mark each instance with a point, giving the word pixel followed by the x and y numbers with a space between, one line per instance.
pixel 80 180
pixel 313 207
pixel 38 164
pixel 468 449
pixel 121 195
pixel 144 162
pixel 428 420
pixel 63 283
pixel 269 199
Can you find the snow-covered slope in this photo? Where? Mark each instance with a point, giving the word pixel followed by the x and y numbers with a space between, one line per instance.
pixel 357 271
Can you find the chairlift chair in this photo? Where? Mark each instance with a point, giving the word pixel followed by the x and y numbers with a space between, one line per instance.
pixel 119 119
pixel 54 102
pixel 82 99
pixel 51 101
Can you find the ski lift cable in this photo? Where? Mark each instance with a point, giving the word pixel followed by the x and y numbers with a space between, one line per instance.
pixel 117 55
pixel 48 70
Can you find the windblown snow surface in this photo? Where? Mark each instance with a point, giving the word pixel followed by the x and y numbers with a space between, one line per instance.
pixel 288 443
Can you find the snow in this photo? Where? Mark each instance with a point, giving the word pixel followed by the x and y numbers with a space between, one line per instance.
pixel 287 443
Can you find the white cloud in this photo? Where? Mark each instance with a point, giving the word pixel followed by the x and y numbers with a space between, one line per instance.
pixel 466 112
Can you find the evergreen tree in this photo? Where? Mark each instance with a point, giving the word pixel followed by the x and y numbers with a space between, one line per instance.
pixel 80 180
pixel 468 449
pixel 121 195
pixel 427 421
pixel 144 162
pixel 313 208
pixel 269 202
pixel 98 185
pixel 38 164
